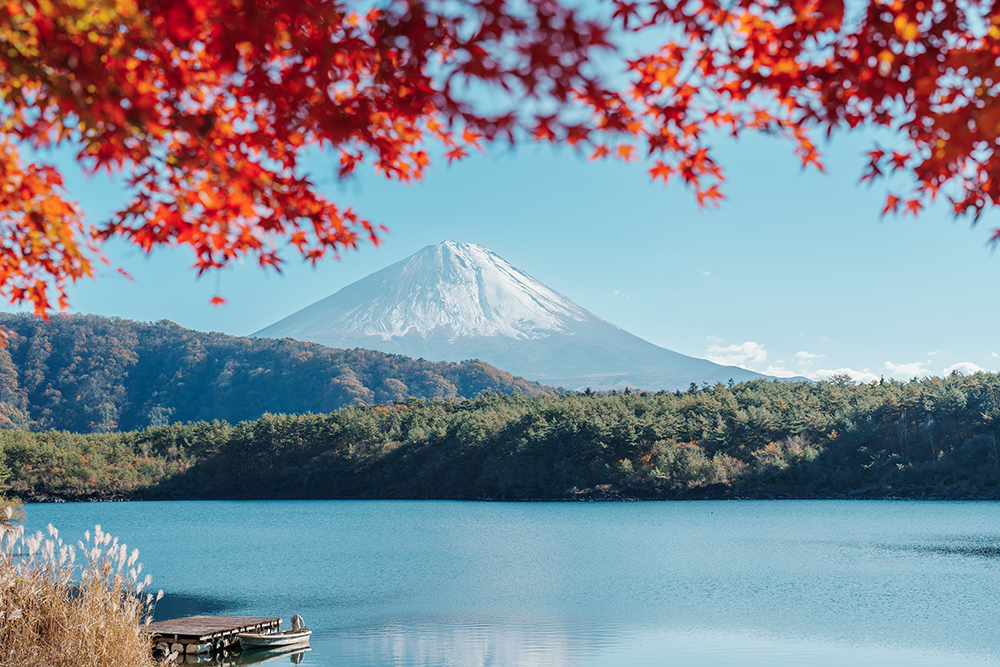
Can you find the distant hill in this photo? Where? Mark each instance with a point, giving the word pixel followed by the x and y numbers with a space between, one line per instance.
pixel 461 301
pixel 86 373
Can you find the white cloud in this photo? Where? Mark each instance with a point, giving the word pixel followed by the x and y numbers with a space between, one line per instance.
pixel 745 354
pixel 931 354
pixel 704 272
pixel 907 371
pixel 714 339
pixel 807 356
pixel 779 372
pixel 994 355
pixel 857 376
pixel 963 367
pixel 622 295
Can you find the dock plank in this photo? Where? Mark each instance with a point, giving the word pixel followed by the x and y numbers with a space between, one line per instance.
pixel 200 628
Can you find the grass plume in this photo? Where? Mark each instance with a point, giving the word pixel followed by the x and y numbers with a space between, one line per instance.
pixel 71 606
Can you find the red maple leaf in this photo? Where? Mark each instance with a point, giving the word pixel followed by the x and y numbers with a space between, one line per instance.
pixel 891 204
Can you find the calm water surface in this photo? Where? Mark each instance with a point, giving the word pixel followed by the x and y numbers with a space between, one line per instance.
pixel 713 584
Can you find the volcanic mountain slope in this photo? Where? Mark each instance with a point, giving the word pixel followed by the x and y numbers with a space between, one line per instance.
pixel 456 301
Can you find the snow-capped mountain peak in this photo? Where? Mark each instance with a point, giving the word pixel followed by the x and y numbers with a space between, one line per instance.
pixel 460 287
pixel 456 301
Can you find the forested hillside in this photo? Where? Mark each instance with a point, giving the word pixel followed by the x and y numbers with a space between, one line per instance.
pixel 85 373
pixel 925 438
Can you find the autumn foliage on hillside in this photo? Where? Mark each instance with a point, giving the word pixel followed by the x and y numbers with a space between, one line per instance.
pixel 86 373
pixel 207 107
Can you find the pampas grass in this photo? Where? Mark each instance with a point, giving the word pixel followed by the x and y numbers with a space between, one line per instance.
pixel 57 612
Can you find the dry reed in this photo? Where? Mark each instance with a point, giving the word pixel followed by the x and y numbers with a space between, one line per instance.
pixel 55 612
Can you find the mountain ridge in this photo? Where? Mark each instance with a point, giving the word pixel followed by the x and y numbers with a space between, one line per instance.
pixel 87 373
pixel 461 301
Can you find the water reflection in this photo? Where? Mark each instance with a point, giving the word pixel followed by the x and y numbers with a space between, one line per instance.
pixel 257 657
pixel 964 550
pixel 981 547
pixel 482 644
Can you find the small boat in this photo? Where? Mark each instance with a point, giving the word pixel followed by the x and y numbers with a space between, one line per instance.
pixel 249 640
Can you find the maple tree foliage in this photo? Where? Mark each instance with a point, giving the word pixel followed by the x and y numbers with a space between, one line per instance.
pixel 207 107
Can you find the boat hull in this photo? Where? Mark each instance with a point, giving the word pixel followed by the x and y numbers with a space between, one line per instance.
pixel 252 640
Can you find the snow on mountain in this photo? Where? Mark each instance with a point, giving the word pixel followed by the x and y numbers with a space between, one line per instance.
pixel 457 301
pixel 460 287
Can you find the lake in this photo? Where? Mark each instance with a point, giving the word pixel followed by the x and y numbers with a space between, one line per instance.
pixel 693 584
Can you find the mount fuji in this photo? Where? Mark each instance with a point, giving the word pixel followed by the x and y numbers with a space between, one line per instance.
pixel 456 301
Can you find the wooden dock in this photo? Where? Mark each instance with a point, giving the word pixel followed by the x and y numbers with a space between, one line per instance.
pixel 206 634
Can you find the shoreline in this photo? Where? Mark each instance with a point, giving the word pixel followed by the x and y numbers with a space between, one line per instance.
pixel 590 498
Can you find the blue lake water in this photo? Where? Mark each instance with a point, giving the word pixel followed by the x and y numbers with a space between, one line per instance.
pixel 693 584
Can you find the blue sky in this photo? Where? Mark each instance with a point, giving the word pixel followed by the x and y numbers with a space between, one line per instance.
pixel 795 273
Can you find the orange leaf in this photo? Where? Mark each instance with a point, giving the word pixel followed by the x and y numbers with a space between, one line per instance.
pixel 891 204
pixel 472 138
pixel 710 196
pixel 599 152
pixel 456 153
pixel 661 170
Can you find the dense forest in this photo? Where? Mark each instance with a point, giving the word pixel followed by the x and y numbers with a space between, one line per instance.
pixel 85 373
pixel 927 438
